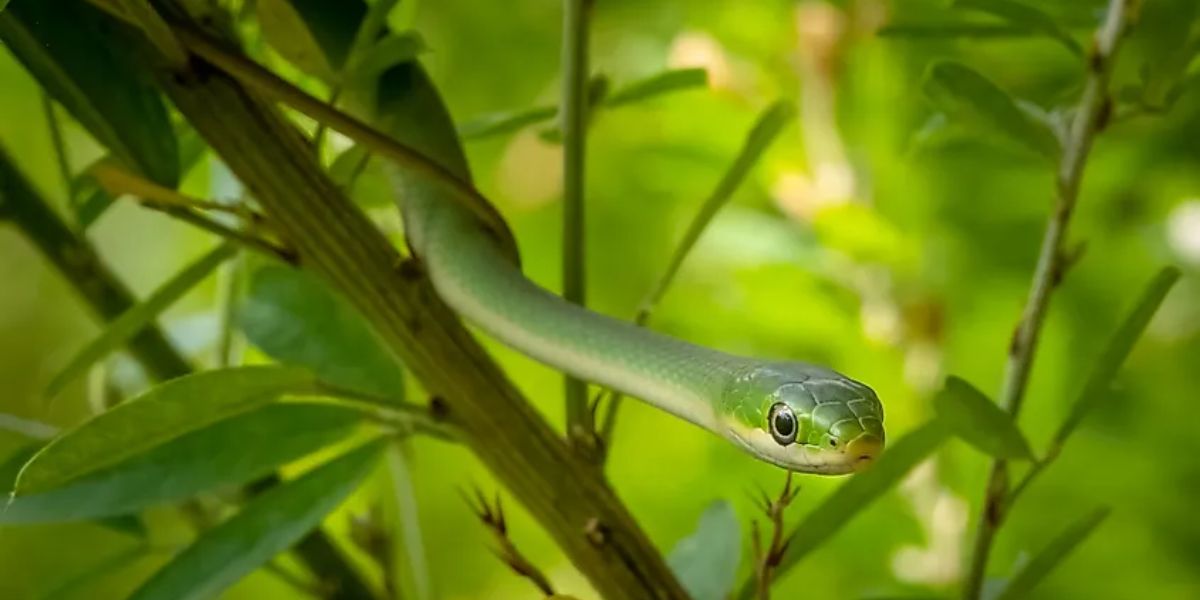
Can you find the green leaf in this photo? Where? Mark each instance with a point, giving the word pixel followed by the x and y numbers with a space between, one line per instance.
pixel 410 109
pixel 706 561
pixel 643 89
pixel 132 321
pixel 1024 16
pixel 921 30
pixel 90 65
pixel 82 585
pixel 314 35
pixel 505 122
pixel 266 526
pixel 964 94
pixel 768 126
pixel 979 422
pixel 856 494
pixel 386 53
pixel 666 82
pixel 227 452
pixel 161 414
pixel 1096 388
pixel 1054 553
pixel 296 319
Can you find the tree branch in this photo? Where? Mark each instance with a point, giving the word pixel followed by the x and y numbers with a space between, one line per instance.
pixel 337 241
pixel 1090 117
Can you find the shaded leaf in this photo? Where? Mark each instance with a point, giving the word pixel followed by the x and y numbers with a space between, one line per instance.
pixel 80 584
pixel 89 64
pixel 227 452
pixel 966 95
pixel 856 494
pixel 1024 16
pixel 1054 553
pixel 410 109
pixel 266 526
pixel 666 82
pixel 296 319
pixel 132 321
pixel 157 416
pixel 385 54
pixel 706 561
pixel 314 35
pixel 1097 386
pixel 952 30
pixel 978 421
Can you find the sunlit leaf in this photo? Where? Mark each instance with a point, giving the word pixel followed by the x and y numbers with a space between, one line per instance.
pixel 227 452
pixel 706 561
pixel 266 526
pixel 666 82
pixel 314 35
pixel 1096 389
pixel 966 95
pixel 297 319
pixel 76 586
pixel 1054 553
pixel 132 321
pixel 89 65
pixel 852 497
pixel 161 414
pixel 1024 16
pixel 978 421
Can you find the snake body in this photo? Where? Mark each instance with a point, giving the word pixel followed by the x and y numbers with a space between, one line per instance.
pixel 796 415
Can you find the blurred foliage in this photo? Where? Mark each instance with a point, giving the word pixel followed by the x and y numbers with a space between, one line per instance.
pixel 890 232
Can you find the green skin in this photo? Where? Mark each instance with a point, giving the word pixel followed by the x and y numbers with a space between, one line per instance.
pixel 836 422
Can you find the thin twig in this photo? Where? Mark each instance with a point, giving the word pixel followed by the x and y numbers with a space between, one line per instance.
pixel 505 550
pixel 1090 117
pixel 60 146
pixel 576 17
pixel 766 560
pixel 243 238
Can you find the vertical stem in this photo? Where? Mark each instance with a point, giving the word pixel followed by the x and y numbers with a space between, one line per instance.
pixel 574 110
pixel 1090 117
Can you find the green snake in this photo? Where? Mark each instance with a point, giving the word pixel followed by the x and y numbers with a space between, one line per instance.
pixel 796 415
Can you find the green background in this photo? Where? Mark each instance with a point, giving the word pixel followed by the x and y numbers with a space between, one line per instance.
pixel 867 239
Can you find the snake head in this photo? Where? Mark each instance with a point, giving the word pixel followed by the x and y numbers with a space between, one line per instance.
pixel 808 419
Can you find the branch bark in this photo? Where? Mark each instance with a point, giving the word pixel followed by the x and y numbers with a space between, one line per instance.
pixel 1090 118
pixel 335 239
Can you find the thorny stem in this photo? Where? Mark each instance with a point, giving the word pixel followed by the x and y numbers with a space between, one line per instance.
pixel 1090 117
pixel 505 550
pixel 766 560
pixel 576 16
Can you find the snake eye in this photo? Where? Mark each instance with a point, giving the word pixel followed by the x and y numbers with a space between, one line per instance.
pixel 783 424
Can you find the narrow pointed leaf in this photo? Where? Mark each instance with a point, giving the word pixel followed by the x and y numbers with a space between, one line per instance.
pixel 296 319
pixel 1057 551
pixel 161 414
pixel 228 452
pixel 856 494
pixel 266 526
pixel 88 63
pixel 935 30
pixel 1119 346
pixel 314 35
pixel 385 54
pixel 973 99
pixel 666 82
pixel 505 122
pixel 135 319
pixel 1024 16
pixel 706 561
pixel 979 422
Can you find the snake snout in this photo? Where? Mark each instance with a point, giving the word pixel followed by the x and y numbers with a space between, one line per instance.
pixel 863 449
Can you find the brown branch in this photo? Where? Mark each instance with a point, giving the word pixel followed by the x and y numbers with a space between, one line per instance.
pixel 1090 118
pixel 337 241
